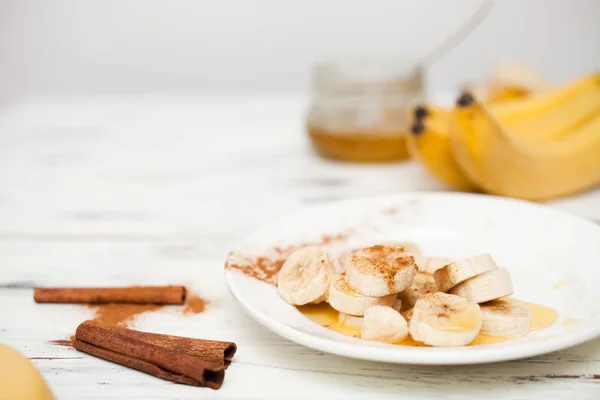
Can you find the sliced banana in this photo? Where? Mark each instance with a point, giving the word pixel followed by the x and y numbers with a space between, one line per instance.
pixel 410 247
pixel 429 265
pixel 350 320
pixel 422 284
pixel 380 270
pixel 304 276
pixel 347 300
pixel 441 319
pixel 383 324
pixel 485 287
pixel 505 318
pixel 459 271
pixel 334 269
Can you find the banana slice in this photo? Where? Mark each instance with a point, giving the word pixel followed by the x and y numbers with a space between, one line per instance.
pixel 423 284
pixel 441 319
pixel 485 287
pixel 505 318
pixel 304 276
pixel 347 300
pixel 380 270
pixel 410 247
pixel 429 265
pixel 383 324
pixel 459 271
pixel 350 320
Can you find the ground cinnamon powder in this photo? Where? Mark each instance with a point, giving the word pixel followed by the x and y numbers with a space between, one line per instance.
pixel 328 239
pixel 194 305
pixel 117 314
pixel 121 314
pixel 383 260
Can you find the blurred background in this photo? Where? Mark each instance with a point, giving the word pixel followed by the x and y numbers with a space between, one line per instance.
pixel 105 102
pixel 72 47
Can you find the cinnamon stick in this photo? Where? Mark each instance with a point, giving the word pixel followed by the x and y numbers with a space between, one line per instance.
pixel 139 350
pixel 133 294
pixel 209 350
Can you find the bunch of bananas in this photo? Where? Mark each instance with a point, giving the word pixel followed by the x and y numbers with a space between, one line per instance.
pixel 534 146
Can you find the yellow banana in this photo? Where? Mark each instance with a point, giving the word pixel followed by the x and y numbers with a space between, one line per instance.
pixel 429 143
pixel 552 114
pixel 19 379
pixel 506 165
pixel 506 94
pixel 543 116
pixel 546 115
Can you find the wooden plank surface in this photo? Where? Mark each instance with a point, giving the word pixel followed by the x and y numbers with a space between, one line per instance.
pixel 117 191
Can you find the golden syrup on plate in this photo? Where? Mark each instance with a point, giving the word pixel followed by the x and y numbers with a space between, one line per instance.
pixel 323 314
pixel 541 316
pixel 326 316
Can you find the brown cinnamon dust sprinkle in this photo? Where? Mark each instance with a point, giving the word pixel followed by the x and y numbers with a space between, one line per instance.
pixel 328 239
pixel 389 258
pixel 266 268
pixel 384 260
pixel 194 305
pixel 122 315
pixel 117 314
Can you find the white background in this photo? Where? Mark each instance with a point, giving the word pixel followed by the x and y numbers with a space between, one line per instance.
pixel 240 46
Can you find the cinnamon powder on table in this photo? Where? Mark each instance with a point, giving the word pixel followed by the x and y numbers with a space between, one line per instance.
pixel 194 305
pixel 120 314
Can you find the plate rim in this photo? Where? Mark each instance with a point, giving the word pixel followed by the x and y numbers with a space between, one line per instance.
pixel 417 355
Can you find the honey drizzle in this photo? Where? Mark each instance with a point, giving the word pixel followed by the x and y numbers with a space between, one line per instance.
pixel 323 314
pixel 542 317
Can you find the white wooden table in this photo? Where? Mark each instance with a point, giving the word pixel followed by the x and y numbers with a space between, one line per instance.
pixel 115 191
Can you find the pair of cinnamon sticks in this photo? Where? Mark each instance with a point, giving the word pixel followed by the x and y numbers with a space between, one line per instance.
pixel 197 362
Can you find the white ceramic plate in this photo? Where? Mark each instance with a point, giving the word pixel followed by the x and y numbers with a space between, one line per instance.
pixel 539 245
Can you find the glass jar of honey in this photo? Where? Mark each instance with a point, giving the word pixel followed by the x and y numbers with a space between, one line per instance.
pixel 359 110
